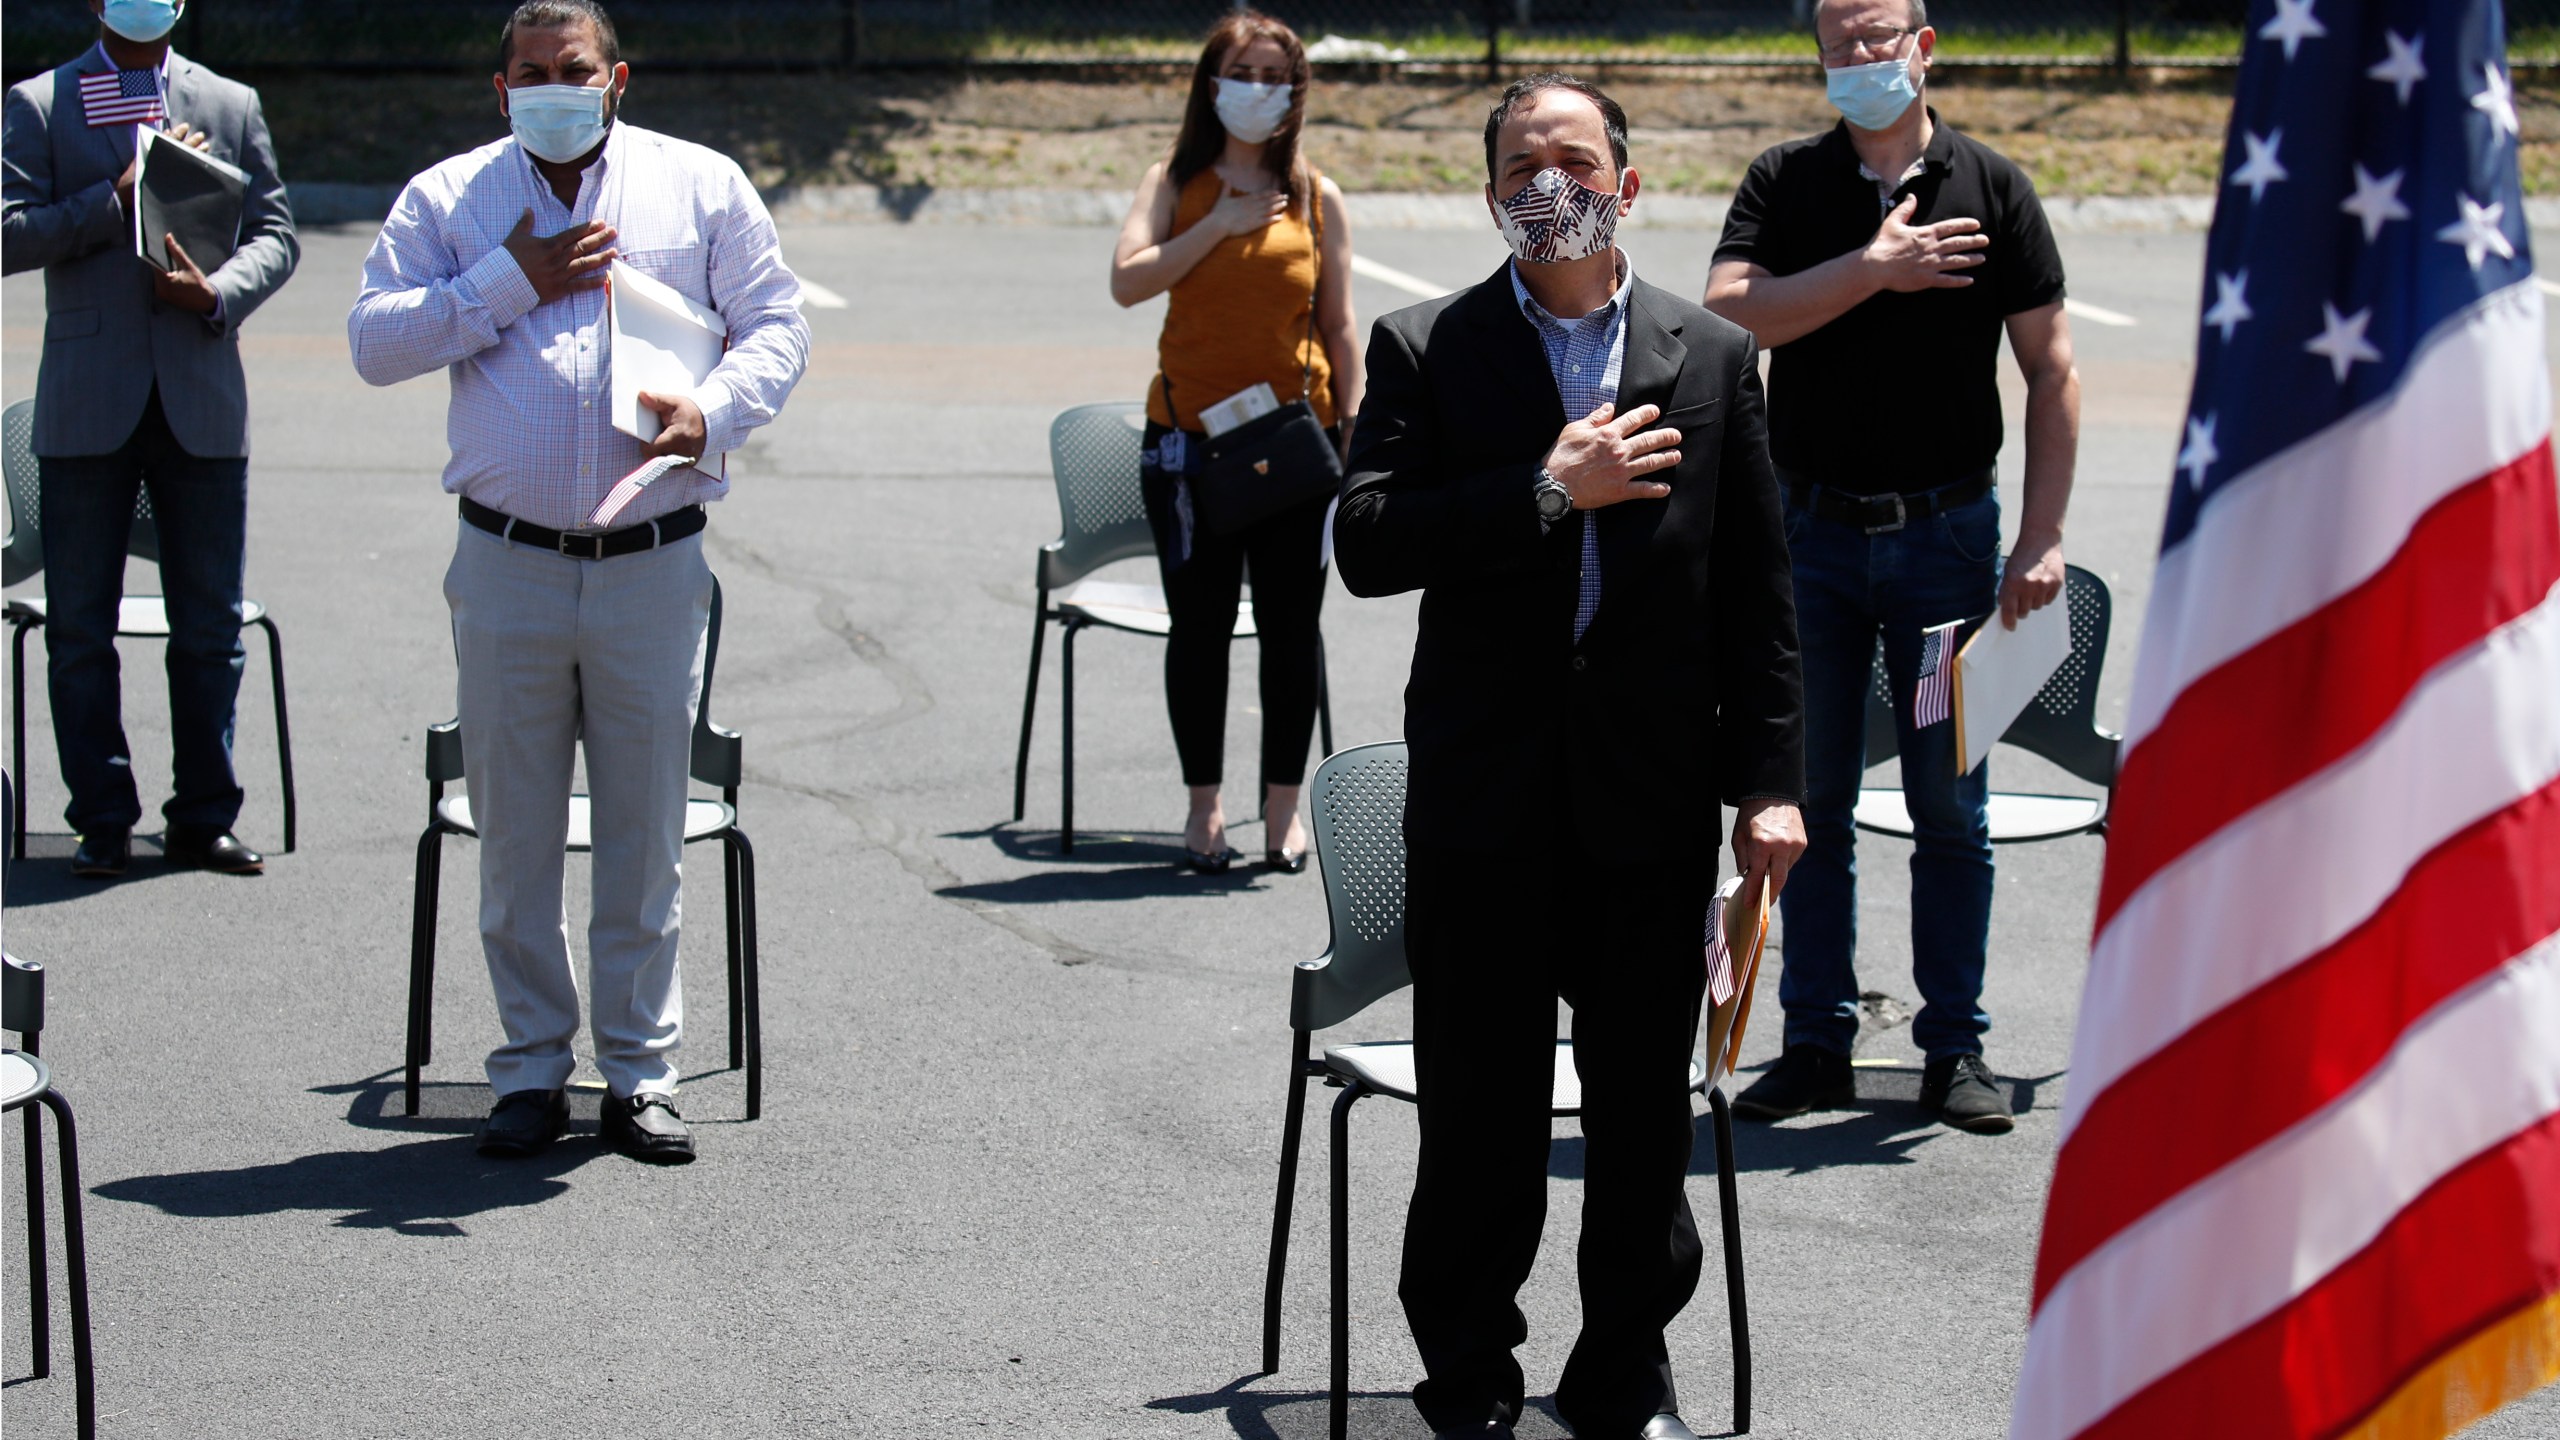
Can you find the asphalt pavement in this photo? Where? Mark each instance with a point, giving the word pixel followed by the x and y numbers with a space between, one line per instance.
pixel 1015 1169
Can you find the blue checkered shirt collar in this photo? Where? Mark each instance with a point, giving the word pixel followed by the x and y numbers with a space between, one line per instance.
pixel 1586 359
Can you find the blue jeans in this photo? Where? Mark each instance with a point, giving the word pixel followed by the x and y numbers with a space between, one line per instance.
pixel 201 506
pixel 1849 585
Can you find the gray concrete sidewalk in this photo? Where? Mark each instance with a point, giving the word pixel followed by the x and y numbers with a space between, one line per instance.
pixel 1015 1169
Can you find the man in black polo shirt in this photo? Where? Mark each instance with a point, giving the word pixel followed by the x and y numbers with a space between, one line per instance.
pixel 1879 264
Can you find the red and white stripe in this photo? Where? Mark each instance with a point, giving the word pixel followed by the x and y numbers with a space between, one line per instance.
pixel 2313 1135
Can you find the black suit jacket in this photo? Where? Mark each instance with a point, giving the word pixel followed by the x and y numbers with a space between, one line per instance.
pixel 1686 689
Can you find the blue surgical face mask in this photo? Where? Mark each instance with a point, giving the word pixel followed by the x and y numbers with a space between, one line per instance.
pixel 558 123
pixel 1873 96
pixel 141 21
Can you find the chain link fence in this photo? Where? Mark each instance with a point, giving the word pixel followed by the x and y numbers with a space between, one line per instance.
pixel 748 35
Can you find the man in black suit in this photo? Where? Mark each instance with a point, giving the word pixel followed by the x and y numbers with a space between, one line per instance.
pixel 1572 466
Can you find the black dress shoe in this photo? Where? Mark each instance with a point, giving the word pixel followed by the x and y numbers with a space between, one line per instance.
pixel 1206 862
pixel 1284 862
pixel 103 854
pixel 1489 1430
pixel 524 1122
pixel 220 852
pixel 647 1128
pixel 1807 1077
pixel 1666 1426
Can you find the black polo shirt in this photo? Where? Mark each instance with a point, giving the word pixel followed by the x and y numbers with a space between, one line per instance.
pixel 1902 392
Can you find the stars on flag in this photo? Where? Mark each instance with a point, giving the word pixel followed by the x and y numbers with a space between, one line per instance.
pixel 2341 340
pixel 2198 456
pixel 2230 307
pixel 2376 202
pixel 2403 68
pixel 2479 231
pixel 2498 102
pixel 2261 168
pixel 2293 24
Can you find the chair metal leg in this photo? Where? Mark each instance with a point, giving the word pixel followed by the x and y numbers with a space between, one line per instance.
pixel 737 977
pixel 18 738
pixel 39 1289
pixel 422 957
pixel 1290 1131
pixel 284 726
pixel 1067 738
pixel 1729 1202
pixel 75 1254
pixel 1030 700
pixel 755 988
pixel 1341 1386
pixel 1324 694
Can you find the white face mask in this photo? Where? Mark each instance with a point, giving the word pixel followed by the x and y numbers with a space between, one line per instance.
pixel 1251 112
pixel 559 123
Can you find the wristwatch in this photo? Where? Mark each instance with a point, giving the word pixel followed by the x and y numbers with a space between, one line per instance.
pixel 1554 501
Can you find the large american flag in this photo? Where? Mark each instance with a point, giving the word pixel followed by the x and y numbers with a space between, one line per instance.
pixel 2309 1184
pixel 122 97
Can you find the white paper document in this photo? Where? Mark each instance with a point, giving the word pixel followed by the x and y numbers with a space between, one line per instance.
pixel 1999 672
pixel 665 342
pixel 1250 403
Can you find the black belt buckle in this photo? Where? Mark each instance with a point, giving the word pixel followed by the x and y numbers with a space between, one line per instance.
pixel 1901 515
pixel 589 546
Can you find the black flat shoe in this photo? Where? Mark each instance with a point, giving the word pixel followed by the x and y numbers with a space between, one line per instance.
pixel 220 852
pixel 647 1128
pixel 103 855
pixel 524 1123
pixel 1202 862
pixel 1282 862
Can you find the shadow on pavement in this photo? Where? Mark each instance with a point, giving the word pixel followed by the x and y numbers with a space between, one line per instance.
pixel 424 1188
pixel 1306 1414
pixel 1883 1128
pixel 456 1107
pixel 1105 867
pixel 45 878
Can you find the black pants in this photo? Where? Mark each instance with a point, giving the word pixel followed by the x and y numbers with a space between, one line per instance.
pixel 1490 958
pixel 1203 581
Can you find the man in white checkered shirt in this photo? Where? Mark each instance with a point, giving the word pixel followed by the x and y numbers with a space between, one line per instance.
pixel 492 267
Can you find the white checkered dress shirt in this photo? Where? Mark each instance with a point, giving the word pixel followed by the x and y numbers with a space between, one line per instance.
pixel 530 423
pixel 1585 356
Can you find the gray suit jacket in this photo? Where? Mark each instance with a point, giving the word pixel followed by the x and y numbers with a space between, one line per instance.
pixel 107 337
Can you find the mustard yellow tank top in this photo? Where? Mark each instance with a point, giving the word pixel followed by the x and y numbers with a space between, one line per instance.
pixel 1240 317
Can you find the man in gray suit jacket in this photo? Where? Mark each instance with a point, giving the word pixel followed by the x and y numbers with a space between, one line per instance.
pixel 140 388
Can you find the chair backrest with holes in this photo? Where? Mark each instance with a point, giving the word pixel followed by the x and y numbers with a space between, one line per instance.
pixel 2061 723
pixel 25 554
pixel 21 996
pixel 1358 804
pixel 1102 516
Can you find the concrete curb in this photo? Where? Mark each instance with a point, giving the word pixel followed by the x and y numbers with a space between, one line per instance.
pixel 326 204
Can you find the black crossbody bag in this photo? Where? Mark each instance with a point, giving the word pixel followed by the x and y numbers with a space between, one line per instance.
pixel 1276 461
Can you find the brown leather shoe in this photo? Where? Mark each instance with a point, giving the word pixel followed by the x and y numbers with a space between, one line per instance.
pixel 647 1128
pixel 220 852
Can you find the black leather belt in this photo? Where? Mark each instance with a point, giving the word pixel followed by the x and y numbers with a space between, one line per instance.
pixel 588 544
pixel 1886 513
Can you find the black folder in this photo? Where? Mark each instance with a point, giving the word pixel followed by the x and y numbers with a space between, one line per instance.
pixel 182 190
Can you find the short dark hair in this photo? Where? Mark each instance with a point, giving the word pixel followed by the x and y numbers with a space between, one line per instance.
pixel 1612 118
pixel 557 15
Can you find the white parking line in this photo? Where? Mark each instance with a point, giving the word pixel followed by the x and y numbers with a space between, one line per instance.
pixel 1390 275
pixel 2096 314
pixel 2547 287
pixel 813 293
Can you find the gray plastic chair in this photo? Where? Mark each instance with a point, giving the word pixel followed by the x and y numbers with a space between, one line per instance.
pixel 138 617
pixel 1358 809
pixel 2060 724
pixel 719 758
pixel 25 1083
pixel 1102 518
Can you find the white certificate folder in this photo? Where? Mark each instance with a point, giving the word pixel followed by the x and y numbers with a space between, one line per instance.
pixel 2000 671
pixel 665 342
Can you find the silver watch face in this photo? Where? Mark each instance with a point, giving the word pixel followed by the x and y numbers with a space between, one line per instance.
pixel 1554 501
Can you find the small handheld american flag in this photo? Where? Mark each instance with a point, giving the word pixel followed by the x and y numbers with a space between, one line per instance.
pixel 629 487
pixel 1931 701
pixel 122 97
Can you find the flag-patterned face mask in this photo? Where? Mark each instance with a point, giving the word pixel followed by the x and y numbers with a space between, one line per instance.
pixel 1556 218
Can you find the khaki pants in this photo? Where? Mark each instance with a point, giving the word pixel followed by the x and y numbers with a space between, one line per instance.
pixel 551 653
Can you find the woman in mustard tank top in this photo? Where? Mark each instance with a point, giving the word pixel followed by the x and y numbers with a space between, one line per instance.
pixel 1238 232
